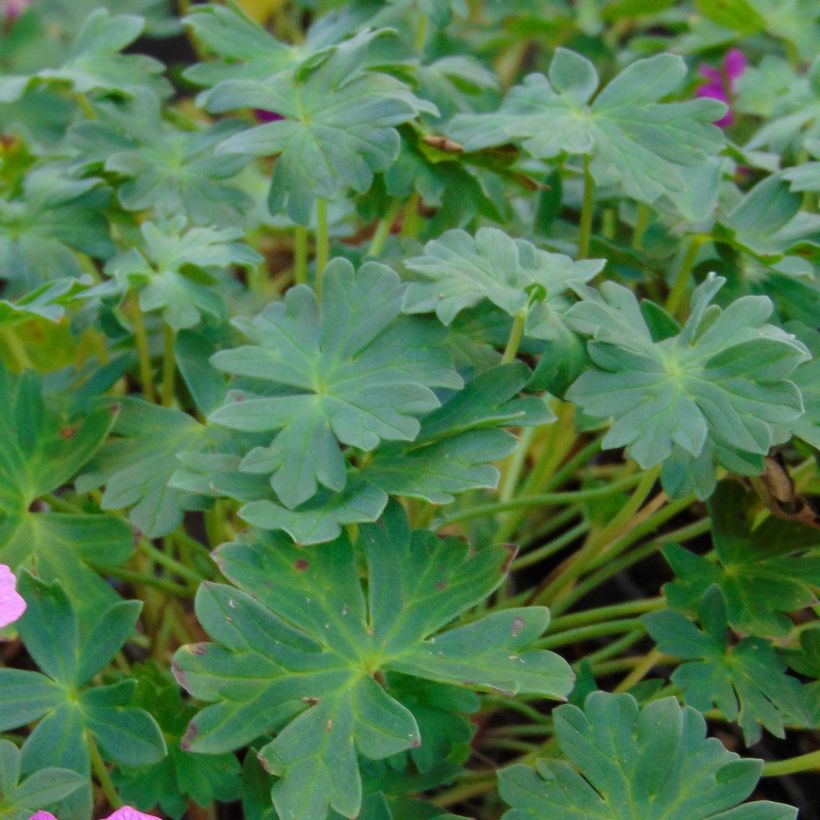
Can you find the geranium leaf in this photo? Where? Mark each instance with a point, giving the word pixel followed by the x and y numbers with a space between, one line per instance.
pixel 323 147
pixel 644 145
pixel 715 391
pixel 175 269
pixel 746 681
pixel 763 572
pixel 459 271
pixel 322 623
pixel 351 372
pixel 620 760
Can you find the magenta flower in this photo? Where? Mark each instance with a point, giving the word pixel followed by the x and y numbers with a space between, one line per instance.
pixel 721 83
pixel 12 605
pixel 267 116
pixel 12 9
pixel 125 813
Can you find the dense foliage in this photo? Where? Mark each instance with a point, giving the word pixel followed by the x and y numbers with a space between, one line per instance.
pixel 376 376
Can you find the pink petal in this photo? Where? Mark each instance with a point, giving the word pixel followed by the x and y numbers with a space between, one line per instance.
pixel 267 116
pixel 12 606
pixel 714 92
pixel 42 815
pixel 711 74
pixel 734 64
pixel 14 8
pixel 128 813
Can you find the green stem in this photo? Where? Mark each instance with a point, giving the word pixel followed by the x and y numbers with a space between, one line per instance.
pixel 17 349
pixel 141 340
pixel 584 633
pixel 169 364
pixel 169 563
pixel 605 613
pixel 101 773
pixel 613 567
pixel 85 106
pixel 551 547
pixel 383 229
pixel 641 224
pixel 516 464
pixel 300 254
pixel 144 578
pixel 802 763
pixel 675 299
pixel 421 33
pixel 615 647
pixel 586 211
pixel 412 218
pixel 545 499
pixel 322 244
pixel 516 334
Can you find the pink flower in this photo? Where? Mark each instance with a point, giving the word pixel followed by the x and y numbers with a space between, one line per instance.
pixel 267 116
pixel 125 813
pixel 721 83
pixel 12 606
pixel 12 9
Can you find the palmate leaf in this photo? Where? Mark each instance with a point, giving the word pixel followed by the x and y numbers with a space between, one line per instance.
pixel 294 611
pixel 95 62
pixel 59 696
pixel 713 393
pixel 48 301
pixel 41 229
pixel 44 447
pixel 627 763
pixel 181 775
pixel 764 572
pixel 452 453
pixel 21 798
pixel 747 681
pixel 460 271
pixel 338 127
pixel 458 443
pixel 137 463
pixel 634 140
pixel 170 170
pixel 352 372
pixel 175 267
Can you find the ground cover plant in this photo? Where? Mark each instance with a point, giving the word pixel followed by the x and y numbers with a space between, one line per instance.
pixel 409 409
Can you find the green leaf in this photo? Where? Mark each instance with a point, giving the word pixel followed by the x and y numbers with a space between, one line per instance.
pixel 48 301
pixel 182 775
pixel 738 15
pixel 458 443
pixel 294 610
pixel 43 227
pixel 94 62
pixel 805 177
pixel 41 790
pixel 460 270
pixel 715 391
pixel 163 167
pixel 747 681
pixel 764 572
pixel 645 146
pixel 323 147
pixel 626 763
pixel 176 269
pixel 44 447
pixel 351 371
pixel 137 463
pixel 67 708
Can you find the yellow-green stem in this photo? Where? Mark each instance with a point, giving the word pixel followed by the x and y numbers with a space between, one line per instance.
pixel 516 334
pixel 674 301
pixel 586 211
pixel 322 244
pixel 641 224
pixel 383 229
pixel 85 106
pixel 169 366
pixel 412 219
pixel 144 353
pixel 17 349
pixel 300 252
pixel 101 773
pixel 421 33
pixel 802 763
